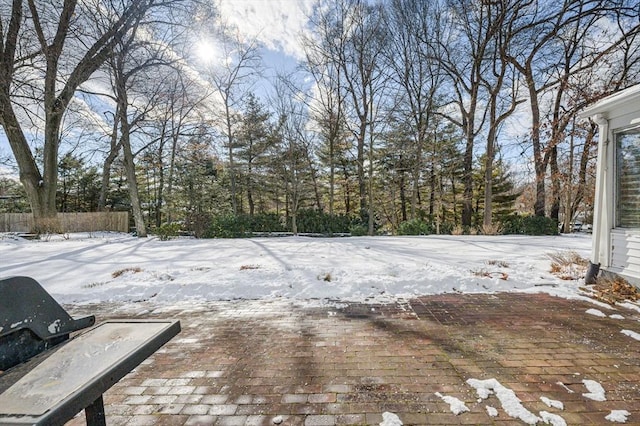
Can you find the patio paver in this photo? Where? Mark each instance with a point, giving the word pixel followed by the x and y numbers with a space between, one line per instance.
pixel 292 363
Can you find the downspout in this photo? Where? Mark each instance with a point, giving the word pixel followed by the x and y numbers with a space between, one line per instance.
pixel 598 211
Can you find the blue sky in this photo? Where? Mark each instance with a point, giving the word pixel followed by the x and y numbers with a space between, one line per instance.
pixel 276 24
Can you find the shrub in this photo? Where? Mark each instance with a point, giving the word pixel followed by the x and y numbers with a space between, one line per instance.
pixel 238 226
pixel 415 227
pixel 119 272
pixel 317 222
pixel 457 230
pixel 445 228
pixel 529 225
pixel 358 230
pixel 512 224
pixel 568 265
pixel 227 226
pixel 538 225
pixel 493 229
pixel 167 231
pixel 47 226
pixel 198 223
pixel 308 221
pixel 265 222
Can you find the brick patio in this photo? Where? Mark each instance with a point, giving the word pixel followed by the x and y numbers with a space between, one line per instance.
pixel 267 362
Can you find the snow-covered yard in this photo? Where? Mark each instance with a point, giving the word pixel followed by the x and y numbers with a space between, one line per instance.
pixel 111 267
pixel 101 267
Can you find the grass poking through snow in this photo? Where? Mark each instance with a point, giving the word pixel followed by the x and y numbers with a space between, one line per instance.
pixel 119 272
pixel 568 265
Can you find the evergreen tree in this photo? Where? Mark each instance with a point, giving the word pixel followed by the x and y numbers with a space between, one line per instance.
pixel 13 197
pixel 78 185
pixel 198 181
pixel 253 141
pixel 504 191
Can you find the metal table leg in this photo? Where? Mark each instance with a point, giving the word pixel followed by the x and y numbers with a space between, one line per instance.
pixel 95 413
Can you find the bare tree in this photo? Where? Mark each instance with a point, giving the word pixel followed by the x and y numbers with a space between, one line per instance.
pixel 138 85
pixel 232 75
pixel 548 50
pixel 293 156
pixel 463 49
pixel 501 84
pixel 617 67
pixel 327 97
pixel 182 102
pixel 358 48
pixel 418 76
pixel 54 42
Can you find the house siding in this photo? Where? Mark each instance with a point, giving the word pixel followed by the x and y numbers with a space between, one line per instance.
pixel 625 253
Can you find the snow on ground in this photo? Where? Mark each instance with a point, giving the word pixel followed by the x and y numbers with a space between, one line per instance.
pixel 101 267
pixel 112 267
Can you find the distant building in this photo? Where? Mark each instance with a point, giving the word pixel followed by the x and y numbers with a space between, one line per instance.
pixel 616 221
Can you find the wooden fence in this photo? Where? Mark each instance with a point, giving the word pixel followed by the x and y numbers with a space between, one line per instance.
pixel 69 222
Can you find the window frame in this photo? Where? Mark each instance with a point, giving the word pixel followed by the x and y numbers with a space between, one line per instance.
pixel 618 133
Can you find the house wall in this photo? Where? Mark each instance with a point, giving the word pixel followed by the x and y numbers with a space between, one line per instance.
pixel 617 250
pixel 625 253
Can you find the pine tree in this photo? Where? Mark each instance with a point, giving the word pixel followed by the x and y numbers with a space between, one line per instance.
pixel 253 142
pixel 504 191
pixel 201 190
pixel 78 185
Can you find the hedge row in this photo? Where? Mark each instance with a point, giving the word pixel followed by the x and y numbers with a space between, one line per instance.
pixel 314 222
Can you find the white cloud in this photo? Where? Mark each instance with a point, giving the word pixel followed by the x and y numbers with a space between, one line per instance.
pixel 276 23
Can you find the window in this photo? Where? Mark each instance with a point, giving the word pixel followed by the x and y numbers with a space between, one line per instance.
pixel 628 167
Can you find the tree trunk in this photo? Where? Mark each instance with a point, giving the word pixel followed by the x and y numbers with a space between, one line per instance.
pixel 130 169
pixel 332 178
pixel 538 159
pixel 555 184
pixel 172 162
pixel 415 180
pixel 362 188
pixel 568 208
pixel 108 162
pixel 467 181
pixel 138 217
pixel 40 189
pixel 232 168
pixel 488 181
pixel 403 197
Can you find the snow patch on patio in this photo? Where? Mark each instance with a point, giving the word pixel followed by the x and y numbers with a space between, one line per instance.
pixel 390 419
pixel 552 403
pixel 631 334
pixel 618 416
pixel 511 404
pixel 491 411
pixel 552 419
pixel 596 313
pixel 455 405
pixel 596 391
